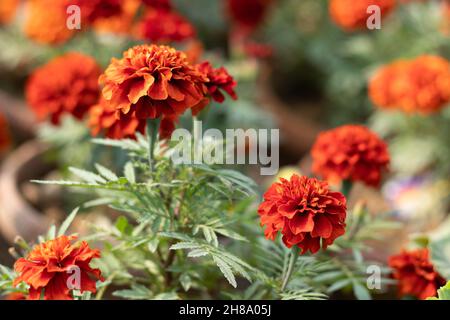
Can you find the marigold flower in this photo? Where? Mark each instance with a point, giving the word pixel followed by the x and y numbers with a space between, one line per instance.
pixel 248 14
pixel 153 81
pixel 350 152
pixel 420 85
pixel 219 79
pixel 352 15
pixel 92 10
pixel 16 296
pixel 306 212
pixel 120 23
pixel 415 274
pixel 48 267
pixel 46 22
pixel 158 4
pixel 8 9
pixel 67 84
pixel 164 26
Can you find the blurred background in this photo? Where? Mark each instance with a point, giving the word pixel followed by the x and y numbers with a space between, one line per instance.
pixel 297 69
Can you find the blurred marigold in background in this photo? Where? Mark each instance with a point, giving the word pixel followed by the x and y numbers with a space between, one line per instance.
pixel 306 212
pixel 164 26
pixel 350 152
pixel 67 84
pixel 420 85
pixel 121 23
pixel 48 267
pixel 46 22
pixel 92 10
pixel 248 14
pixel 415 274
pixel 158 4
pixel 219 79
pixel 352 15
pixel 5 136
pixel 8 9
pixel 152 81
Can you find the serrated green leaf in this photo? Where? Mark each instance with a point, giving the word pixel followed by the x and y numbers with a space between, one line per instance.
pixel 66 224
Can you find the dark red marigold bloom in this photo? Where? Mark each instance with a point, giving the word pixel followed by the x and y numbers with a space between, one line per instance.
pixel 158 4
pixel 165 26
pixel 306 212
pixel 352 15
pixel 350 152
pixel 5 135
pixel 248 13
pixel 153 81
pixel 415 274
pixel 67 84
pixel 49 266
pixel 92 10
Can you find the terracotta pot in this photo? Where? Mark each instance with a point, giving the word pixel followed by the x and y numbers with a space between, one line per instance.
pixel 17 215
pixel 20 119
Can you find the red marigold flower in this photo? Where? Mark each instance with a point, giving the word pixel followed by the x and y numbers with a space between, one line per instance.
pixel 5 136
pixel 164 26
pixel 415 274
pixel 158 4
pixel 153 81
pixel 350 152
pixel 420 85
pixel 8 9
pixel 248 14
pixel 67 84
pixel 16 296
pixel 306 212
pixel 48 267
pixel 352 15
pixel 92 10
pixel 46 22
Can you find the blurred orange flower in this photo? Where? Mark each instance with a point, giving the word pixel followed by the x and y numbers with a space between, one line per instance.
pixel 151 81
pixel 67 84
pixel 306 212
pixel 163 26
pixel 415 274
pixel 8 9
pixel 352 15
pixel 48 267
pixel 350 152
pixel 121 23
pixel 420 85
pixel 46 22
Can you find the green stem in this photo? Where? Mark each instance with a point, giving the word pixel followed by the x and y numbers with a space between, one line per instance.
pixel 346 188
pixel 152 134
pixel 293 256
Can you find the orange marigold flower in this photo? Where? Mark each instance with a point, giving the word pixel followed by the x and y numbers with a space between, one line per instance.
pixel 16 296
pixel 219 79
pixel 248 14
pixel 151 81
pixel 352 15
pixel 8 9
pixel 122 23
pixel 48 267
pixel 420 85
pixel 46 22
pixel 306 212
pixel 415 274
pixel 350 152
pixel 67 84
pixel 164 26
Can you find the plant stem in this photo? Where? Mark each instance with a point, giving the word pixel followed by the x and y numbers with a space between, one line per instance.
pixel 346 188
pixel 293 255
pixel 152 133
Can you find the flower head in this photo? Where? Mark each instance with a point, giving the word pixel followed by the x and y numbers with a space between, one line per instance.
pixel 248 14
pixel 67 84
pixel 92 10
pixel 420 85
pixel 120 23
pixel 350 152
pixel 46 22
pixel 160 25
pixel 306 212
pixel 415 274
pixel 8 10
pixel 158 4
pixel 48 267
pixel 352 15
pixel 151 82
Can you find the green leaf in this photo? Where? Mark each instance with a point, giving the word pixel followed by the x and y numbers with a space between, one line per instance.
pixel 87 176
pixel 66 224
pixel 128 171
pixel 186 281
pixel 122 225
pixel 226 270
pixel 361 292
pixel 443 293
pixel 440 255
pixel 105 172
